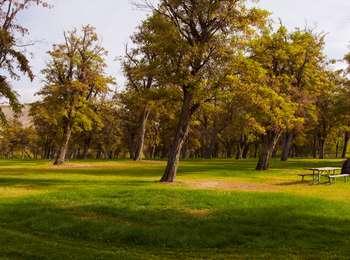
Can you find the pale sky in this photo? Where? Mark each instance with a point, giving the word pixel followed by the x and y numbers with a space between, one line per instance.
pixel 116 20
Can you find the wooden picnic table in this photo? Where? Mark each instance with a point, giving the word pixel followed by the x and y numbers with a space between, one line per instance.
pixel 323 171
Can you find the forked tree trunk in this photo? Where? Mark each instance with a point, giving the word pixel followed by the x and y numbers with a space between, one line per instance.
pixel 61 156
pixel 287 145
pixel 181 133
pixel 268 144
pixel 140 136
pixel 243 141
pixel 346 144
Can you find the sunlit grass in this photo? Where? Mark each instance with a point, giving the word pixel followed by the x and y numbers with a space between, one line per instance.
pixel 217 209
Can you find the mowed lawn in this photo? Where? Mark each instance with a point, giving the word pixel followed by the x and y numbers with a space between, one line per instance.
pixel 217 210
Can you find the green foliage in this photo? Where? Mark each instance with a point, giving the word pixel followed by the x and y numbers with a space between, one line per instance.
pixel 13 60
pixel 75 79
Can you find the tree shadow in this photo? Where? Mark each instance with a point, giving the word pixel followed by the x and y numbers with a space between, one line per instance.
pixel 8 182
pixel 286 228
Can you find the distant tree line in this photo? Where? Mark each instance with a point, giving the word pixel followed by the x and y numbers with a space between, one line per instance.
pixel 204 79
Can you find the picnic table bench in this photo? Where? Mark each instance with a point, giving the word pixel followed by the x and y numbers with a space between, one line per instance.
pixel 329 172
pixel 332 178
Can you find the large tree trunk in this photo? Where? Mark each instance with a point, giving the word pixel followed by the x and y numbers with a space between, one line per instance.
pixel 268 144
pixel 61 155
pixel 140 136
pixel 287 145
pixel 346 144
pixel 181 133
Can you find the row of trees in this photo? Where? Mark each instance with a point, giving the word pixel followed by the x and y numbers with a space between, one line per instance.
pixel 205 79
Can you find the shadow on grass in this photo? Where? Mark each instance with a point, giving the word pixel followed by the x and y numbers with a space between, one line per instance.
pixel 268 223
pixel 39 183
pixel 8 182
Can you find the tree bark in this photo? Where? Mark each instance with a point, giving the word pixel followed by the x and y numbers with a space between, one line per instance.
pixel 268 144
pixel 86 148
pixel 321 148
pixel 246 151
pixel 256 149
pixel 315 147
pixel 346 144
pixel 140 136
pixel 181 133
pixel 242 148
pixel 61 155
pixel 337 149
pixel 287 145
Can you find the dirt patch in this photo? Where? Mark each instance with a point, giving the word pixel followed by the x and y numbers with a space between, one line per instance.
pixel 199 213
pixel 227 186
pixel 73 166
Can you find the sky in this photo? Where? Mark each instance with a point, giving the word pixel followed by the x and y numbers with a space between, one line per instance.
pixel 116 20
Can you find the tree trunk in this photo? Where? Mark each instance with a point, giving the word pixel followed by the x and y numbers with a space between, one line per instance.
pixel 140 136
pixel 181 133
pixel 287 145
pixel 86 148
pixel 239 152
pixel 337 150
pixel 240 147
pixel 256 149
pixel 315 147
pixel 61 155
pixel 321 147
pixel 268 144
pixel 346 144
pixel 228 148
pixel 246 151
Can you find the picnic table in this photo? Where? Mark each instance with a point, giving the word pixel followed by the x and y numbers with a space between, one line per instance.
pixel 323 171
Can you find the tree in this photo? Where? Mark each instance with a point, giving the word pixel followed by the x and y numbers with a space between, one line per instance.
pixel 306 56
pixel 328 107
pixel 140 65
pixel 290 64
pixel 13 60
pixel 192 39
pixel 346 95
pixel 268 83
pixel 74 77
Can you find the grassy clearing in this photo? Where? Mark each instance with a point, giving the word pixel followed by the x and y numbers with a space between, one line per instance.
pixel 217 209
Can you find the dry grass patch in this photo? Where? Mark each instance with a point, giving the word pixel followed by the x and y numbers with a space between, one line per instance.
pixel 229 185
pixel 19 191
pixel 198 213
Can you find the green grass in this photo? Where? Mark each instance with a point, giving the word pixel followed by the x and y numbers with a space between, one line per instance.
pixel 217 210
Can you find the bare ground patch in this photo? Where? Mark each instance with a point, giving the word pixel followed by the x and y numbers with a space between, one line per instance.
pixel 74 166
pixel 199 213
pixel 229 185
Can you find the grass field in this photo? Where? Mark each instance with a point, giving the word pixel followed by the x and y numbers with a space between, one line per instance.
pixel 216 210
